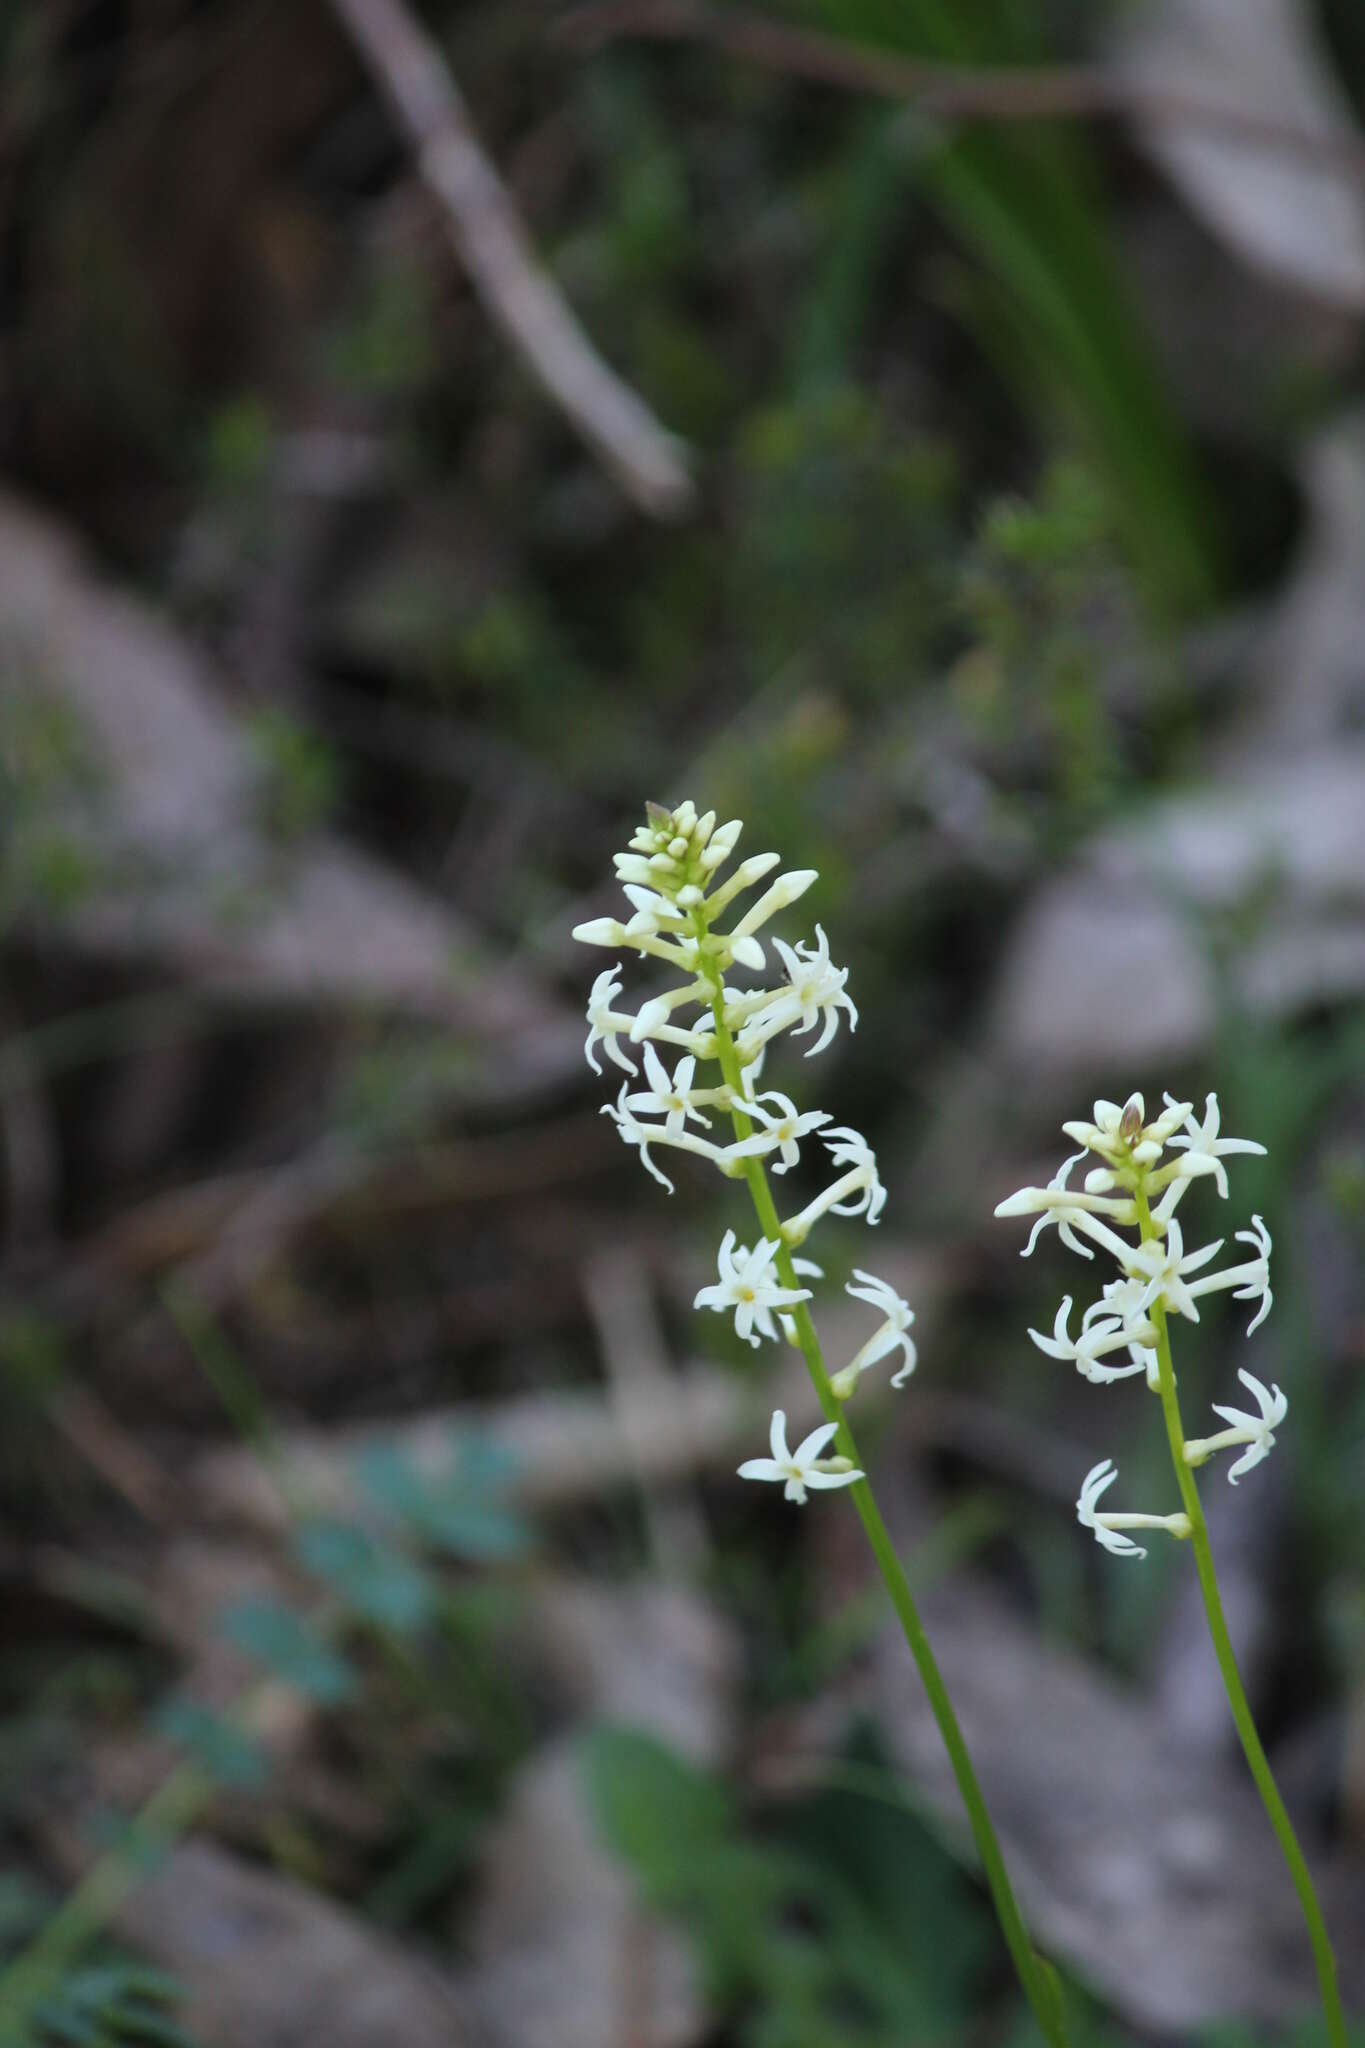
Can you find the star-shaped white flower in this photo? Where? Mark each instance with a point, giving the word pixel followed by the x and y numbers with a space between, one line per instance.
pixel 782 1129
pixel 1204 1150
pixel 749 1286
pixel 866 1195
pixel 1108 1529
pixel 604 1022
pixel 802 1467
pixel 1054 1212
pixel 898 1315
pixel 1249 1281
pixel 671 1100
pixel 1166 1266
pixel 857 1192
pixel 1097 1337
pixel 815 988
pixel 1068 1207
pixel 633 1132
pixel 1256 1431
pixel 1120 1300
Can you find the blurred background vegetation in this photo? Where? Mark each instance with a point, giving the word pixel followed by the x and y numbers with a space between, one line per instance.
pixel 387 1651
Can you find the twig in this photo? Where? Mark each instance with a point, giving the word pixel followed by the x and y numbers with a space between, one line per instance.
pixel 953 92
pixel 108 1449
pixel 648 462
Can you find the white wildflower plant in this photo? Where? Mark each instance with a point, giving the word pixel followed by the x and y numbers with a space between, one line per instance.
pixel 719 1029
pixel 1126 1208
pixel 1146 1168
pixel 671 875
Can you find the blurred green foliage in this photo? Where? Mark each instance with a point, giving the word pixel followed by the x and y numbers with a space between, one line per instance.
pixel 301 774
pixel 840 1918
pixel 49 785
pixel 106 2002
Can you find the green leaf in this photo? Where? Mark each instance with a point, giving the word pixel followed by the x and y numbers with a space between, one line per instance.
pixel 290 1647
pixel 653 1808
pixel 1025 201
pixel 225 1752
pixel 375 1581
pixel 461 1510
pixel 109 2005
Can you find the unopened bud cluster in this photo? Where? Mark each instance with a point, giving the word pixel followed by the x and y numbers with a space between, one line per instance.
pixel 1145 1170
pixel 671 877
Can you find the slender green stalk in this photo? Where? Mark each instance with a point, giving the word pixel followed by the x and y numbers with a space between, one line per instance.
pixel 1039 1981
pixel 1232 1678
pixel 88 1909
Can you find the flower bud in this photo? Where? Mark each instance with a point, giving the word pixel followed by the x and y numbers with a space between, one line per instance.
pixel 600 931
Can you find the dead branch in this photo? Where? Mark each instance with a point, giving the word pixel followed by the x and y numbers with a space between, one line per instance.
pixel 647 461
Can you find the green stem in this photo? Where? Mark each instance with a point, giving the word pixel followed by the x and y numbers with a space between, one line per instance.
pixel 1040 1984
pixel 1232 1678
pixel 88 1909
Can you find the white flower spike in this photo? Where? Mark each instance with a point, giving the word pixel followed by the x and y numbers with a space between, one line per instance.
pixel 1146 1168
pixel 679 886
pixel 1257 1431
pixel 802 1467
pixel 1152 1166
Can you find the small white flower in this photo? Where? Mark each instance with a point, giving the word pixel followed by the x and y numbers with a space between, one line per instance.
pixel 1257 1431
pixel 1065 1206
pixel 1165 1266
pixel 671 1100
pixel 1108 1529
pixel 633 1132
pixel 782 1129
pixel 848 1148
pixel 749 1285
pixel 802 1467
pixel 1086 1353
pixel 1251 1280
pixel 1120 1299
pixel 815 988
pixel 857 1192
pixel 604 1023
pixel 899 1315
pixel 1054 1213
pixel 1204 1149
